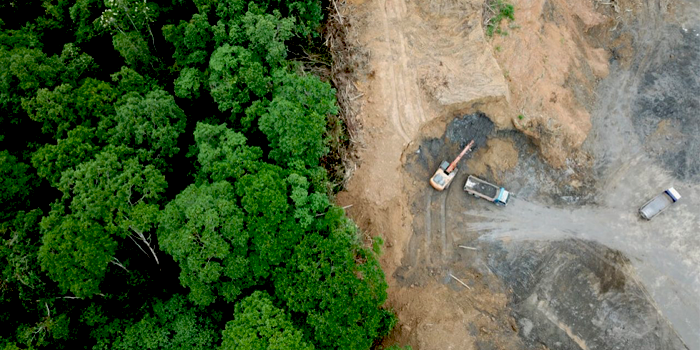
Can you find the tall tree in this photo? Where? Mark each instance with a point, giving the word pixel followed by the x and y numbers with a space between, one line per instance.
pixel 16 182
pixel 252 212
pixel 75 253
pixel 63 108
pixel 27 69
pixel 51 160
pixel 337 284
pixel 21 280
pixel 203 231
pixel 173 324
pixel 255 217
pixel 112 196
pixel 295 121
pixel 259 325
pixel 223 154
pixel 129 23
pixel 150 124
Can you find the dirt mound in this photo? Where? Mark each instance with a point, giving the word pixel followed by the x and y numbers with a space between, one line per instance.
pixel 552 68
pixel 498 156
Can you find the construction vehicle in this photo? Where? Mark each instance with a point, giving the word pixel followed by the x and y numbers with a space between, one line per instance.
pixel 447 171
pixel 488 191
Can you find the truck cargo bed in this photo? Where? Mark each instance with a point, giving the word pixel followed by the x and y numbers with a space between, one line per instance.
pixel 484 188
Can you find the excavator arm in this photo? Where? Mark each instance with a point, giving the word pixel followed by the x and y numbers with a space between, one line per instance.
pixel 453 165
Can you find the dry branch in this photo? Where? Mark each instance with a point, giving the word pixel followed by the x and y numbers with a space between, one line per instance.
pixel 345 60
pixel 458 280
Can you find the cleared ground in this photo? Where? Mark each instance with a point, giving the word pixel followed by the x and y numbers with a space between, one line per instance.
pixel 568 264
pixel 653 263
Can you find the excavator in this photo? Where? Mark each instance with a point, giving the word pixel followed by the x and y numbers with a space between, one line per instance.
pixel 447 171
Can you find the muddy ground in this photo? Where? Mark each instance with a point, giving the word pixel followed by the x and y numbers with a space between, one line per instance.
pixel 609 94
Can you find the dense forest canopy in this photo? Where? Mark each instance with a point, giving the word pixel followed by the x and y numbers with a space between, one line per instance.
pixel 162 181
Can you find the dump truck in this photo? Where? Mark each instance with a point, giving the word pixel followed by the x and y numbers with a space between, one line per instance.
pixel 659 203
pixel 488 191
pixel 447 171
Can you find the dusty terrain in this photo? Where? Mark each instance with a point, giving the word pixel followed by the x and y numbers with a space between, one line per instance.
pixel 577 112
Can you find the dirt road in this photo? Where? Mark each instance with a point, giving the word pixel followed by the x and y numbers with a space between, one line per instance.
pixel 568 264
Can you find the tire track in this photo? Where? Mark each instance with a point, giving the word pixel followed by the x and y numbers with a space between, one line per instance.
pixel 401 88
pixel 392 95
pixel 443 226
pixel 428 224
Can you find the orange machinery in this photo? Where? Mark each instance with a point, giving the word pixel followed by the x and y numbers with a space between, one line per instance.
pixel 447 171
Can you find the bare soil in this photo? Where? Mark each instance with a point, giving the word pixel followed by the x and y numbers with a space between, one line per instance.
pixel 429 82
pixel 498 156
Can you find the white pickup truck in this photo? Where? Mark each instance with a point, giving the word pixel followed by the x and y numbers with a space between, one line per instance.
pixel 488 191
pixel 659 203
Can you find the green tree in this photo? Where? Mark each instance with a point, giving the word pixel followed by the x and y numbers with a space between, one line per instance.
pixel 295 121
pixel 112 195
pixel 337 284
pixel 55 14
pixel 129 23
pixel 223 154
pixel 192 40
pixel 265 35
pixel 249 210
pixel 128 80
pixel 63 108
pixel 189 83
pixel 47 331
pixel 271 220
pixel 16 182
pixel 27 36
pixel 202 229
pixel 253 218
pixel 173 324
pixel 150 124
pixel 18 256
pixel 28 313
pixel 24 70
pixel 133 48
pixel 236 78
pixel 51 161
pixel 306 202
pixel 259 325
pixel 75 253
pixel 83 13
pixel 250 47
pixel 306 14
